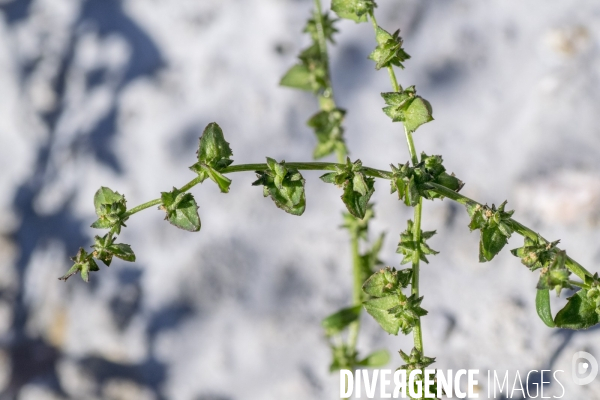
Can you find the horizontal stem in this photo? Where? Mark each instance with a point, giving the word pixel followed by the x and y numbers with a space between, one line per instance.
pixel 519 228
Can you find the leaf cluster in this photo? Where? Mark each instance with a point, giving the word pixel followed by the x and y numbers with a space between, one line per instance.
pixel 181 210
pixel 327 125
pixel 389 50
pixel 214 155
pixel 405 106
pixel 358 187
pixel 494 225
pixel 329 29
pixel 284 185
pixel 111 209
pixel 411 182
pixel 413 250
pixel 355 10
pixel 391 308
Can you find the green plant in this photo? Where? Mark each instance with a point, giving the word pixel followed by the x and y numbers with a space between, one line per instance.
pixel 389 295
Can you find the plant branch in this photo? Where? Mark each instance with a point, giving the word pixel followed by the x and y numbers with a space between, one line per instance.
pixel 519 228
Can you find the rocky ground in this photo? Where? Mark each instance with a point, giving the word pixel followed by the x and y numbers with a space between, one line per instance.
pixel 116 93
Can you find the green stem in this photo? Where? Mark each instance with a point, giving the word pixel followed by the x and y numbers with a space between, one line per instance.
pixel 411 147
pixel 393 79
pixel 356 292
pixel 519 228
pixel 326 99
pixel 417 333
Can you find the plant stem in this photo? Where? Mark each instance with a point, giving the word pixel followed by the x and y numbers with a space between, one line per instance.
pixel 356 292
pixel 519 228
pixel 417 333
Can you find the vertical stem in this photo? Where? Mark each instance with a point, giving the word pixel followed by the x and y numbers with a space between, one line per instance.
pixel 411 147
pixel 417 333
pixel 326 100
pixel 356 291
pixel 393 79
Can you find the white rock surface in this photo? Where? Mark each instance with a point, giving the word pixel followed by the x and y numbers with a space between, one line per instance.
pixel 101 92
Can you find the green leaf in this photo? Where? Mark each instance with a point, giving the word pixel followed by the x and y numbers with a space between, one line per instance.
pixel 378 308
pixel 284 185
pixel 537 253
pixel 181 209
pixel 416 360
pixel 579 313
pixel 417 113
pixel 492 241
pixel 412 110
pixel 328 28
pixel 542 305
pixel 327 126
pixel 298 77
pixel 111 209
pixel 370 259
pixel 355 201
pixel 123 251
pixel 213 150
pixel 343 357
pixel 376 359
pixel 105 248
pixel 338 321
pixel 355 10
pixel 206 171
pixel 494 225
pixel 84 264
pixel 105 196
pixel 387 281
pixel 389 50
pixel 414 251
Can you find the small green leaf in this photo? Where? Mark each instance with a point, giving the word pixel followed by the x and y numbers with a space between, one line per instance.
pixel 417 113
pixel 494 225
pixel 579 313
pixel 329 131
pixel 389 50
pixel 542 305
pixel 387 281
pixel 407 107
pixel 376 359
pixel 105 196
pixel 337 322
pixel 123 251
pixel 355 10
pixel 84 263
pixel 206 171
pixel 328 28
pixel 111 209
pixel 378 308
pixel 213 149
pixel 416 360
pixel 492 241
pixel 181 209
pixel 297 77
pixel 414 251
pixel 355 201
pixel 284 185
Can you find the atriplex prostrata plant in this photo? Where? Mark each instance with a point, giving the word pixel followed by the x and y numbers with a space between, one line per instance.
pixel 390 295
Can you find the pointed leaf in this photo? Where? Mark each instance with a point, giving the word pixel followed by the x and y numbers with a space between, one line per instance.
pixel 579 313
pixel 338 321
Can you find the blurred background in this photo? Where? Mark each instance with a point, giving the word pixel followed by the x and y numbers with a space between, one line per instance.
pixel 116 93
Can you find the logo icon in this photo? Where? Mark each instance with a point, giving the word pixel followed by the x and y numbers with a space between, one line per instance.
pixel 584 368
